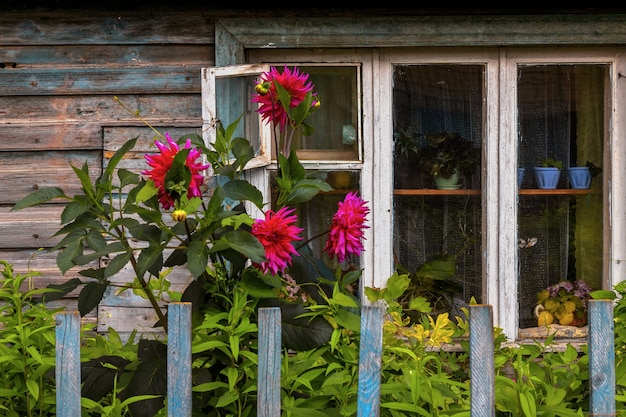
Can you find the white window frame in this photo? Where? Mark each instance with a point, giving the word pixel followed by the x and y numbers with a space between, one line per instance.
pixel 499 196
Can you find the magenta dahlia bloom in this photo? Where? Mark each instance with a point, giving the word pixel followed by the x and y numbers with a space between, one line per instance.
pixel 346 230
pixel 162 162
pixel 276 233
pixel 295 82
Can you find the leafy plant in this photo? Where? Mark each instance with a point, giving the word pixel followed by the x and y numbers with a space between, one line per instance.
pixel 447 152
pixel 162 219
pixel 27 347
pixel 565 302
pixel 406 144
pixel 551 162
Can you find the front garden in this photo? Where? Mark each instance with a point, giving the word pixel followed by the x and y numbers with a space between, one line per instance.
pixel 166 218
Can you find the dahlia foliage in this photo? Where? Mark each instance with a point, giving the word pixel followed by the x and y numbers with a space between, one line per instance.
pixel 220 244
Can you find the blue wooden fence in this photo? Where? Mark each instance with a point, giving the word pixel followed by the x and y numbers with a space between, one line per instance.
pixel 601 361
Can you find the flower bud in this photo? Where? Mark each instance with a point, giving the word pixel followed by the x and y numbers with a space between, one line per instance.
pixel 262 88
pixel 316 104
pixel 179 215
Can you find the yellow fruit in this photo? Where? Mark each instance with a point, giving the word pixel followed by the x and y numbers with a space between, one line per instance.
pixel 545 318
pixel 566 319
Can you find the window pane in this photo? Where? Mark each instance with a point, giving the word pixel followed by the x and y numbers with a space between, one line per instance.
pixel 336 128
pixel 316 215
pixel 561 115
pixel 438 229
pixel 233 101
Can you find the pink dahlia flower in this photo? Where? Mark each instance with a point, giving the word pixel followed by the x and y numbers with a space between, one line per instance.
pixel 295 82
pixel 276 233
pixel 346 230
pixel 162 162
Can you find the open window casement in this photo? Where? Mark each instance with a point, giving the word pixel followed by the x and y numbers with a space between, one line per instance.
pixel 226 97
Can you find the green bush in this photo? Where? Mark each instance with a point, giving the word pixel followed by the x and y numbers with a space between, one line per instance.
pixel 27 348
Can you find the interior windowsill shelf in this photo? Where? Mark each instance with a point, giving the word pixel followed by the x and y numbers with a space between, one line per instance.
pixel 523 191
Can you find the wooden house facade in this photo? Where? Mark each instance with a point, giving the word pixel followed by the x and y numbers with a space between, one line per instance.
pixel 65 70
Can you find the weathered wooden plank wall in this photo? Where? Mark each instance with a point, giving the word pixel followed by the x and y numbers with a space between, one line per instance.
pixel 59 73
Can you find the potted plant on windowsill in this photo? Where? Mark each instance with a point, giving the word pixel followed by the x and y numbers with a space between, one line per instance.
pixel 580 176
pixel 448 158
pixel 563 303
pixel 548 173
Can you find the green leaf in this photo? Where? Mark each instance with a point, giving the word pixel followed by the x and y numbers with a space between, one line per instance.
pixel 147 192
pixel 64 258
pixel 242 151
pixel 528 403
pixel 95 240
pixel 40 196
pixel 63 289
pixel 127 177
pixel 348 319
pixel 90 296
pixel 116 264
pixel 74 209
pixel 33 388
pixel 105 251
pixel 603 295
pixel 85 180
pixel 197 257
pixel 243 190
pixel 150 259
pixel 116 158
pixel 243 242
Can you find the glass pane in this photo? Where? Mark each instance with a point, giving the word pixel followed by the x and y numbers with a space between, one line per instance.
pixel 336 128
pixel 561 115
pixel 316 215
pixel 437 233
pixel 233 101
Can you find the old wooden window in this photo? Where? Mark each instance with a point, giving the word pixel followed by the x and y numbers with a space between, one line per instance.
pixel 517 106
pixel 333 151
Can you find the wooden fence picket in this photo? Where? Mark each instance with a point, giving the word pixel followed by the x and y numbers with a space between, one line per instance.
pixel 482 372
pixel 601 358
pixel 67 370
pixel 270 354
pixel 179 360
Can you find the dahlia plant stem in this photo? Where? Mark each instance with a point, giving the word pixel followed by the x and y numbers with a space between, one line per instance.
pixel 151 298
pixel 142 281
pixel 312 239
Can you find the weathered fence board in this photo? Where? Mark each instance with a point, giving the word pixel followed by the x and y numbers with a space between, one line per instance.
pixel 370 365
pixel 601 364
pixel 51 136
pixel 44 81
pixel 100 109
pixel 106 27
pixel 31 227
pixel 179 360
pixel 67 370
pixel 482 369
pixel 24 172
pixel 270 349
pixel 601 358
pixel 106 55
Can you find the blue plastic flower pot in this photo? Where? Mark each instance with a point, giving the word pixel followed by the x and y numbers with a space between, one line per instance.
pixel 579 177
pixel 547 177
pixel 520 177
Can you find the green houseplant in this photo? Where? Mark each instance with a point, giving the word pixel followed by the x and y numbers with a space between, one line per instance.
pixel 447 155
pixel 564 302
